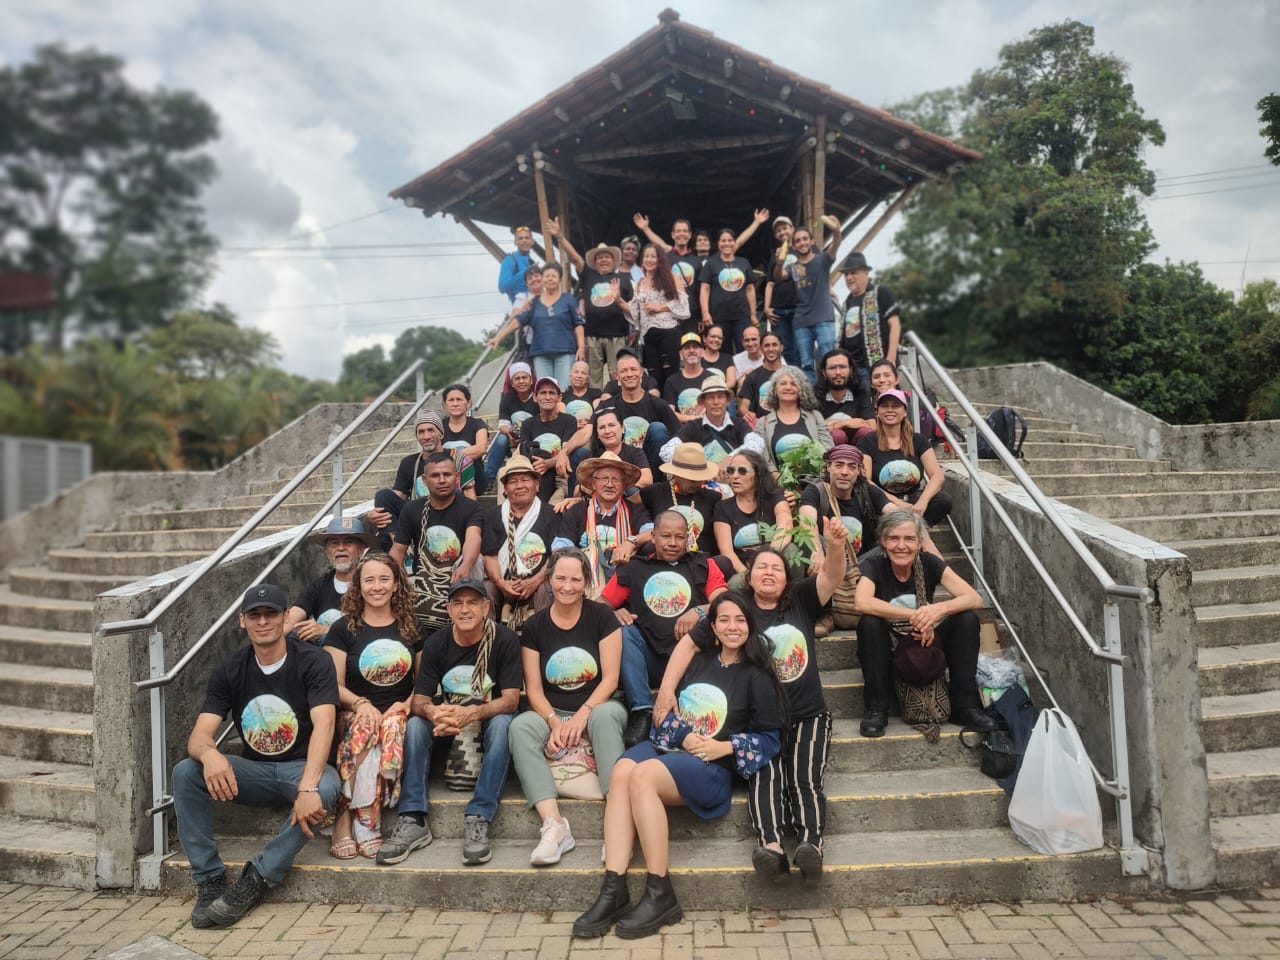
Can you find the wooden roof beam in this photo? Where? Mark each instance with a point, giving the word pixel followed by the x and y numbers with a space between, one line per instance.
pixel 682 146
pixel 856 157
pixel 801 146
pixel 897 158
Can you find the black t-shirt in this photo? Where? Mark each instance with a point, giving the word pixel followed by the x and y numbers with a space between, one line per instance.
pixel 466 437
pixel 851 332
pixel 614 389
pixel 661 592
pixel 379 661
pixel 727 283
pixel 604 316
pixel 746 527
pixel 788 436
pixel 862 528
pixel 681 392
pixel 515 411
pixel 445 529
pixel 784 291
pixel 892 470
pixel 719 701
pixel 272 711
pixel 688 266
pixel 856 402
pixel 320 600
pixel 753 387
pixel 875 566
pixel 447 667
pixel 569 660
pixel 722 362
pixel 573 524
pixel 549 436
pixel 716 444
pixel 408 474
pixel 793 642
pixel 636 417
pixel 580 406
pixel 532 548
pixel 698 509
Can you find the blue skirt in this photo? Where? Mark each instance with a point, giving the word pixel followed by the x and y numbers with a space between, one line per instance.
pixel 704 787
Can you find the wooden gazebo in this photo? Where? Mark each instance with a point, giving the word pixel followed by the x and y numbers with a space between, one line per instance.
pixel 680 123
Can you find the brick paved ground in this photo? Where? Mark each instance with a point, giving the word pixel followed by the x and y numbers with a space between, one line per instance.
pixel 53 923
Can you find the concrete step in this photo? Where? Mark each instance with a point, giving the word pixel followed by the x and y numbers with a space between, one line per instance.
pixel 1253 584
pixel 1142 481
pixel 1238 624
pixel 1253 523
pixel 53 648
pixel 47 735
pixel 1055 466
pixel 1244 782
pixel 43 582
pixel 208 517
pixel 870 869
pixel 43 687
pixel 19 610
pixel 1174 503
pixel 947 798
pixel 133 566
pixel 381 474
pixel 46 853
pixel 154 541
pixel 1246 721
pixel 1248 850
pixel 1249 669
pixel 1027 413
pixel 42 789
pixel 1035 450
pixel 1228 552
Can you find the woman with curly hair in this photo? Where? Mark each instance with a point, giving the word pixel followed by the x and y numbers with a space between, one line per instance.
pixel 375 649
pixel 659 307
pixel 793 415
pixel 756 500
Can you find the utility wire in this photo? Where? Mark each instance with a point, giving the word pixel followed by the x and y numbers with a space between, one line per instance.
pixel 1203 193
pixel 362 303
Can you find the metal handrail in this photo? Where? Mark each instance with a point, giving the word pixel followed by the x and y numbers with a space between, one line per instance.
pixel 208 563
pixel 1105 580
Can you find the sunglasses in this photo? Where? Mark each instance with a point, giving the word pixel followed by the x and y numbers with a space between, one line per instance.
pixel 740 471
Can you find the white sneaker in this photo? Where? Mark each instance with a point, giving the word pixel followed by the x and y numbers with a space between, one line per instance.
pixel 556 840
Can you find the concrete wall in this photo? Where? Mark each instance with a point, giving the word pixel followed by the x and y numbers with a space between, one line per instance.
pixel 122 714
pixel 97 502
pixel 1252 445
pixel 1168 777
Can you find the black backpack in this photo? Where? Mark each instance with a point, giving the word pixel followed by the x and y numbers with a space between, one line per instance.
pixel 1010 429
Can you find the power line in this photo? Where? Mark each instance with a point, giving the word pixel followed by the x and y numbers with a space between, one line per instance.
pixel 354 246
pixel 265 258
pixel 1232 176
pixel 340 223
pixel 362 303
pixel 1202 193
pixel 1205 173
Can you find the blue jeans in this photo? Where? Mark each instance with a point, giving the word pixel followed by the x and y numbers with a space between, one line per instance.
pixel 258 784
pixel 822 336
pixel 419 743
pixel 782 327
pixel 642 669
pixel 556 365
pixel 657 435
pixel 499 450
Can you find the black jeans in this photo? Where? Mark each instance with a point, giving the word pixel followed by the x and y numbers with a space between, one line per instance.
pixel 957 636
pixel 939 507
pixel 661 352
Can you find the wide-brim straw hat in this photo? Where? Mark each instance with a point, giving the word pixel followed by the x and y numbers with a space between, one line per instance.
pixel 689 460
pixel 715 383
pixel 587 469
pixel 595 251
pixel 516 464
pixel 344 527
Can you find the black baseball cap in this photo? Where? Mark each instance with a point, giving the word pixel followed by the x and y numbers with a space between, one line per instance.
pixel 468 583
pixel 264 595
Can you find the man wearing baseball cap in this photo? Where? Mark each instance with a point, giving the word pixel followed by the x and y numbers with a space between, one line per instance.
pixel 716 431
pixel 780 292
pixel 681 389
pixel 344 540
pixel 547 439
pixel 282 696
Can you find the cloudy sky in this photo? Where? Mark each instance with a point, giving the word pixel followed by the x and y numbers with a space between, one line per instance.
pixel 326 106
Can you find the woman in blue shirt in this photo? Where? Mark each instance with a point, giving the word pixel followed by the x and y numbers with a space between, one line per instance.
pixel 557 339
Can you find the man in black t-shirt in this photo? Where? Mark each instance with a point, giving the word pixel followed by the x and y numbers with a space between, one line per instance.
pixel 408 484
pixel 868 342
pixel 780 291
pixel 751 387
pixel 611 389
pixel 282 696
pixel 579 396
pixel 686 492
pixel 681 389
pixel 547 439
pixel 860 503
pixel 466 698
pixel 647 422
pixel 320 603
pixel 516 406
pixel 515 542
pixel 843 398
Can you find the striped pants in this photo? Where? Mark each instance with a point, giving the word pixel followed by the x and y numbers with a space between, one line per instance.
pixel 788 792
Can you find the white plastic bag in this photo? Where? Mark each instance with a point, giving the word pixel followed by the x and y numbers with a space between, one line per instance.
pixel 1055 807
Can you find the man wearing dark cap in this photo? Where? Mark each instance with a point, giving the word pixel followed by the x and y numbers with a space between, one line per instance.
pixel 681 389
pixel 871 326
pixel 780 291
pixel 345 540
pixel 548 438
pixel 282 696
pixel 468 688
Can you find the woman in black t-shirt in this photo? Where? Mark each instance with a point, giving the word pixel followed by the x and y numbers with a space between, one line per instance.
pixel 375 649
pixel 466 438
pixel 902 463
pixel 715 355
pixel 726 290
pixel 572 655
pixel 726 721
pixel 756 500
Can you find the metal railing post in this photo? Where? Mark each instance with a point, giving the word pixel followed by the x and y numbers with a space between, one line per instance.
pixel 975 500
pixel 337 483
pixel 418 388
pixel 159 746
pixel 1134 860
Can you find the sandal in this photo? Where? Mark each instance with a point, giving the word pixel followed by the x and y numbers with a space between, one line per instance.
pixel 370 848
pixel 343 848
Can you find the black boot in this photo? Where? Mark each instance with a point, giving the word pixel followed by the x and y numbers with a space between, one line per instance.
pixel 639 722
pixel 770 864
pixel 656 909
pixel 612 902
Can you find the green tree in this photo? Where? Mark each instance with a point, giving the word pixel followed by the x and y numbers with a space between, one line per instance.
pixel 1258 349
pixel 365 374
pixel 100 187
pixel 1022 254
pixel 448 354
pixel 1269 115
pixel 209 344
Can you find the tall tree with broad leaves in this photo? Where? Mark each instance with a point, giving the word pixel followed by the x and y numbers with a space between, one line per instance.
pixel 100 187
pixel 1022 254
pixel 1269 115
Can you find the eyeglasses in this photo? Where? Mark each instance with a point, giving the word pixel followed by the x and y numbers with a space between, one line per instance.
pixel 740 471
pixel 608 481
pixel 714 337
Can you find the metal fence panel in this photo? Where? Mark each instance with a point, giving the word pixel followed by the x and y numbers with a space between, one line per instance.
pixel 33 470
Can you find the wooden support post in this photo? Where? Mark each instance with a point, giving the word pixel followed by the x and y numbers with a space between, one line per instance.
pixel 544 212
pixel 562 214
pixel 481 237
pixel 806 194
pixel 885 217
pixel 854 219
pixel 820 183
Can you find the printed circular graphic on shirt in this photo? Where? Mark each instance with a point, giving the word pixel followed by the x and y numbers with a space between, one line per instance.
pixel 519 417
pixel 606 537
pixel 704 707
pixel 790 652
pixel 715 451
pixel 443 544
pixel 634 430
pixel 747 535
pixel 578 409
pixel 667 594
pixel 693 517
pixel 854 526
pixel 456 684
pixel 899 477
pixel 531 549
pixel 420 489
pixel 684 271
pixel 687 400
pixel 764 391
pixel 788 442
pixel 269 725
pixel 601 294
pixel 569 668
pixel 385 662
pixel 908 602
pixel 548 442
pixel 853 322
pixel 731 279
pixel 455 444
pixel 329 617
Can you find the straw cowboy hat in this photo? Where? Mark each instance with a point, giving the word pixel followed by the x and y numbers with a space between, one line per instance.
pixel 587 469
pixel 603 248
pixel 715 383
pixel 516 464
pixel 344 527
pixel 689 460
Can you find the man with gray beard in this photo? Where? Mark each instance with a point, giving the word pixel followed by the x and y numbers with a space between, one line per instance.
pixel 345 540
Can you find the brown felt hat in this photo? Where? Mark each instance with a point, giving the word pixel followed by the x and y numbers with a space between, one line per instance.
pixel 689 460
